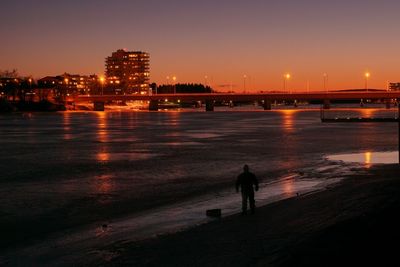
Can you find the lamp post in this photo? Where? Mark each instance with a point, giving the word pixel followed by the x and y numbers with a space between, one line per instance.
pixel 66 85
pixel 102 79
pixel 367 75
pixel 174 79
pixel 325 82
pixel 244 83
pixel 286 78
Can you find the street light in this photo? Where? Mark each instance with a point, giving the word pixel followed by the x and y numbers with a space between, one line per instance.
pixel 102 80
pixel 325 82
pixel 244 83
pixel 286 78
pixel 174 79
pixel 66 85
pixel 367 75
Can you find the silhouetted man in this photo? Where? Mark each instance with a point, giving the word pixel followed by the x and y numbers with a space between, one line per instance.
pixel 246 180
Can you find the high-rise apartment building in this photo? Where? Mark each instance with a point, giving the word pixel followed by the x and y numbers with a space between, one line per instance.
pixel 128 71
pixel 394 86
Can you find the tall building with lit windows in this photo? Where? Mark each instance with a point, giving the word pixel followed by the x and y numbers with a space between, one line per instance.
pixel 128 71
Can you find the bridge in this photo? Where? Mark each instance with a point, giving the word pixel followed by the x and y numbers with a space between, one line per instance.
pixel 266 98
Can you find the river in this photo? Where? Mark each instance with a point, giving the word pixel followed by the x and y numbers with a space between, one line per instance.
pixel 136 174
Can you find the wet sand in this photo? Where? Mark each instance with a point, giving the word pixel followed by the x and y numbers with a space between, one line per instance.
pixel 353 223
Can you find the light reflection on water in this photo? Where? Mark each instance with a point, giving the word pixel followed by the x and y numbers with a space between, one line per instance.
pixel 67 126
pixel 102 131
pixel 130 156
pixel 288 120
pixel 104 184
pixel 368 158
pixel 288 187
pixel 102 156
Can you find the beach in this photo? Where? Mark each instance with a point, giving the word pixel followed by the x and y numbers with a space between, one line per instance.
pixel 352 223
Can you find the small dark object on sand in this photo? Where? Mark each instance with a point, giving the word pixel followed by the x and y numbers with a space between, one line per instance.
pixel 213 213
pixel 104 225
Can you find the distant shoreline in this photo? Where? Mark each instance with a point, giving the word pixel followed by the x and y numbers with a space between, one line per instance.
pixel 44 105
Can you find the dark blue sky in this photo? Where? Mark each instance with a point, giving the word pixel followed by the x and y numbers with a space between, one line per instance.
pixel 221 39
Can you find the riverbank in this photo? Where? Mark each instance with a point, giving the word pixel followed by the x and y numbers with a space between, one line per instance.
pixel 23 106
pixel 354 223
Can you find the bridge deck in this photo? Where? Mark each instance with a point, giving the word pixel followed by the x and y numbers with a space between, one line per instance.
pixel 243 97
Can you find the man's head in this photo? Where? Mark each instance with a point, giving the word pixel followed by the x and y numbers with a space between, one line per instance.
pixel 246 168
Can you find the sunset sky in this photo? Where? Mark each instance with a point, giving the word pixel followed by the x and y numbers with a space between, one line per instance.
pixel 221 39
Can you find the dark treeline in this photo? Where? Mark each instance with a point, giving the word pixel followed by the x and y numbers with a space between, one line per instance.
pixel 13 86
pixel 181 88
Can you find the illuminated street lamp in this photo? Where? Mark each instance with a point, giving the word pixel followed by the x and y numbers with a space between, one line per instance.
pixel 286 78
pixel 174 79
pixel 367 75
pixel 244 83
pixel 102 80
pixel 66 85
pixel 325 82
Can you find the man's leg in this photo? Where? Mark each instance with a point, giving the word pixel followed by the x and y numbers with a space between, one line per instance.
pixel 244 202
pixel 252 202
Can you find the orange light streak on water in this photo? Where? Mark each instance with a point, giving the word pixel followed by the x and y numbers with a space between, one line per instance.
pixel 288 187
pixel 104 185
pixel 102 136
pixel 103 156
pixel 102 132
pixel 368 112
pixel 67 125
pixel 288 120
pixel 368 159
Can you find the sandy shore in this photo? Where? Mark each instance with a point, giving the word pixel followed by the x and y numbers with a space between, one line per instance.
pixel 353 223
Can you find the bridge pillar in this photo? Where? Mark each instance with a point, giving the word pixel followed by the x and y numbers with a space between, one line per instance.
pixel 387 103
pixel 267 104
pixel 98 106
pixel 209 105
pixel 327 104
pixel 153 105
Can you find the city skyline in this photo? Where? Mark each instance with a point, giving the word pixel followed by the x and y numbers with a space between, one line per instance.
pixel 228 44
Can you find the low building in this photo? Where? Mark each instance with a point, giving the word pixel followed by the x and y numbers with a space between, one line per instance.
pixel 71 83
